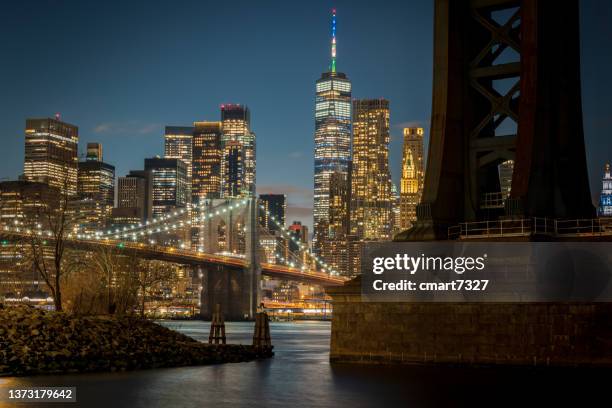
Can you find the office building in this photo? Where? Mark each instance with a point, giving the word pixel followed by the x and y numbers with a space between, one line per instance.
pixel 238 152
pixel 411 182
pixel 178 145
pixel 274 209
pixel 51 153
pixel 169 184
pixel 95 188
pixel 332 137
pixel 371 200
pixel 135 191
pixel 206 161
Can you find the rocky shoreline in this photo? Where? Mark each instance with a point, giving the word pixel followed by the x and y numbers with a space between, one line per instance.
pixel 33 341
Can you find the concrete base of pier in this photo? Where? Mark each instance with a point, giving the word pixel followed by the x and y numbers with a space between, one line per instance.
pixel 535 334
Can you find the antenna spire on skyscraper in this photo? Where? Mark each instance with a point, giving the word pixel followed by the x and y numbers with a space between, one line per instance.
pixel 333 41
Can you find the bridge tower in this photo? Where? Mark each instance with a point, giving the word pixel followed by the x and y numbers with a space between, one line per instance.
pixel 506 88
pixel 235 289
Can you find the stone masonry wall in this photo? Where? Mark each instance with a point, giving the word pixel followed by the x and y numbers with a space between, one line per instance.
pixel 470 333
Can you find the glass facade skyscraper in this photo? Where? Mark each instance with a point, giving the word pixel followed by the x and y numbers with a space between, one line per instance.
pixel 332 138
pixel 178 145
pixel 371 200
pixel 206 164
pixel 95 190
pixel 238 154
pixel 275 205
pixel 169 182
pixel 51 153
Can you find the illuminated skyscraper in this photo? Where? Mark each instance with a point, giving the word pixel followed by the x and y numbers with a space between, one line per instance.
pixel 51 148
pixel 206 161
pixel 275 205
pixel 335 246
pixel 411 183
pixel 134 192
pixel 396 209
pixel 95 189
pixel 206 172
pixel 605 200
pixel 238 152
pixel 332 136
pixel 96 179
pixel 178 145
pixel 27 204
pixel 169 183
pixel 371 200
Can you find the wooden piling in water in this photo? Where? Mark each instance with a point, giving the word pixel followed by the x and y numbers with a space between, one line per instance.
pixel 217 327
pixel 261 337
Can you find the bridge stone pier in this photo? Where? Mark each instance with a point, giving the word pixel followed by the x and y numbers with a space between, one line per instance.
pixel 535 89
pixel 235 288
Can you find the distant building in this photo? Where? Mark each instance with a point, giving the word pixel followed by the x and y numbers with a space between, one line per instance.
pixel 94 152
pixel 95 189
pixel 371 200
pixel 51 153
pixel 335 247
pixel 206 161
pixel 605 199
pixel 136 191
pixel 286 292
pixel 396 209
pixel 178 145
pixel 24 204
pixel 206 171
pixel 275 205
pixel 125 217
pixel 300 233
pixel 411 183
pixel 169 184
pixel 332 137
pixel 301 245
pixel 238 152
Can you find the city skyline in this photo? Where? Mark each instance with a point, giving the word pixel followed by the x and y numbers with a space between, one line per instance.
pixel 128 113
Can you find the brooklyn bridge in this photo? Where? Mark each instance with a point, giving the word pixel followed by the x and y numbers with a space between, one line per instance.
pixel 231 279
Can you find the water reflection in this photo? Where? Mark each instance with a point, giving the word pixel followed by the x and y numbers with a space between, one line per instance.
pixel 300 376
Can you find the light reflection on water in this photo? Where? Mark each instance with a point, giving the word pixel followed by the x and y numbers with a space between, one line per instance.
pixel 300 376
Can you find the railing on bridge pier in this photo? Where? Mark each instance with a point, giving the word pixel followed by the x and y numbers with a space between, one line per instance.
pixel 531 226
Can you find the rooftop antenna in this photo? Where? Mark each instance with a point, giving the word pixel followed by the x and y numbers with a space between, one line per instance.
pixel 333 41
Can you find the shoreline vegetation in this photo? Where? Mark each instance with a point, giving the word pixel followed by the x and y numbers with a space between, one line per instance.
pixel 34 342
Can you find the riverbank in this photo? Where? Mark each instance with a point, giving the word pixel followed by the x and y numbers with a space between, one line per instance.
pixel 34 341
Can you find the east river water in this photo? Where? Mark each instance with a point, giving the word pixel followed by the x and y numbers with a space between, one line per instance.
pixel 300 375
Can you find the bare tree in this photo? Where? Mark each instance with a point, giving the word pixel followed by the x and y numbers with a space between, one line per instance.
pixel 152 275
pixel 47 242
pixel 105 261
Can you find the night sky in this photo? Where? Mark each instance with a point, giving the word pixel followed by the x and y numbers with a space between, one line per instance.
pixel 122 70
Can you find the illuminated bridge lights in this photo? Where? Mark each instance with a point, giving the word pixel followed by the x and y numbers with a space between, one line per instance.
pixel 108 237
pixel 164 218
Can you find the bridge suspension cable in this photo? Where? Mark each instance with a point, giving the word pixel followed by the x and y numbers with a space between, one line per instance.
pixel 318 260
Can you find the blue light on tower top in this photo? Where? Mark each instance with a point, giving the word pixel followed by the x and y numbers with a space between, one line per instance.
pixel 333 43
